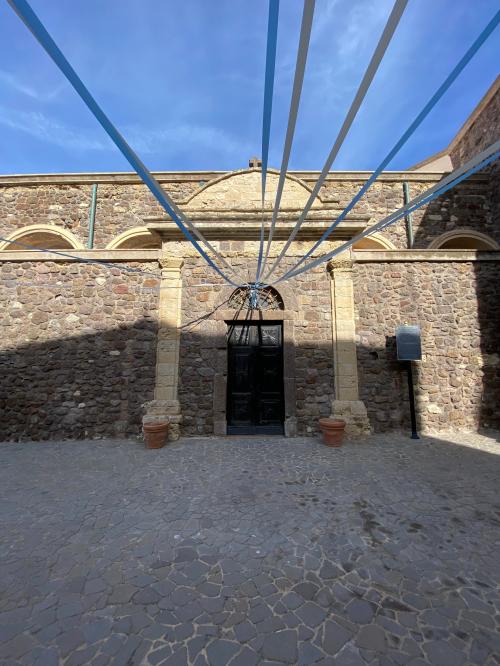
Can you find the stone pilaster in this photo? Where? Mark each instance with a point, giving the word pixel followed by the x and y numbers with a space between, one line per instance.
pixel 346 404
pixel 166 403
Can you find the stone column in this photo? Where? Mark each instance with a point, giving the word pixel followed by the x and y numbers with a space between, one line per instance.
pixel 346 404
pixel 166 403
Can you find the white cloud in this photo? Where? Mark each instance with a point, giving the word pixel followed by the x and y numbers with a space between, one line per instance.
pixel 8 79
pixel 182 138
pixel 36 124
pixel 363 29
pixel 185 137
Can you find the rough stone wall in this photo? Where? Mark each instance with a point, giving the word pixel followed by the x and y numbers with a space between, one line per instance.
pixel 468 205
pixel 495 195
pixel 484 131
pixel 458 380
pixel 313 348
pixel 119 207
pixel 203 349
pixel 77 349
pixel 65 206
pixel 477 136
pixel 123 206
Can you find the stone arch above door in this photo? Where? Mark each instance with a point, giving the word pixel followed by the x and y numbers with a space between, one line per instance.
pixel 241 191
pixel 288 305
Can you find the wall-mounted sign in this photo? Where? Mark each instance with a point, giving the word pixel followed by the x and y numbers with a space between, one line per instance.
pixel 408 343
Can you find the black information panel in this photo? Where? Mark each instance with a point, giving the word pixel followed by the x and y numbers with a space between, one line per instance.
pixel 408 343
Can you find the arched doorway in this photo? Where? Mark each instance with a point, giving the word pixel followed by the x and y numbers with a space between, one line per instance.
pixel 255 374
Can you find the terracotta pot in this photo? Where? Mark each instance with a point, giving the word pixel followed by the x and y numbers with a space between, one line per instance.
pixel 333 431
pixel 155 434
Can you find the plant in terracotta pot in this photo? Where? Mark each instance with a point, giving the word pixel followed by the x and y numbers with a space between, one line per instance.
pixel 333 431
pixel 155 432
pixel 157 424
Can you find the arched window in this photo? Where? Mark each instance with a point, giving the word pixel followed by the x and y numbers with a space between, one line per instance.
pixel 43 237
pixel 139 238
pixel 247 298
pixel 373 242
pixel 463 239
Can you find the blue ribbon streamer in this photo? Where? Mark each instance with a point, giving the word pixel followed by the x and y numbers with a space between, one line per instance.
pixel 36 27
pixel 272 41
pixel 298 81
pixel 420 201
pixel 78 259
pixel 463 62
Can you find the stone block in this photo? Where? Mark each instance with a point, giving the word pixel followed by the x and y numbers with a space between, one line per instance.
pixel 220 427
pixel 166 357
pixel 354 413
pixel 166 369
pixel 164 392
pixel 291 426
pixel 166 380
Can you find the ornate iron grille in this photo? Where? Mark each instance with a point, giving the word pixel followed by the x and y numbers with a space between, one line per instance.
pixel 254 298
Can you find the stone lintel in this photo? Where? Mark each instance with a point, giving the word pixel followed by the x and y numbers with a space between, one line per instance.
pixel 251 315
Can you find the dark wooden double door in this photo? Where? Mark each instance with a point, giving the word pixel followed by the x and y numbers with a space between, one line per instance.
pixel 255 403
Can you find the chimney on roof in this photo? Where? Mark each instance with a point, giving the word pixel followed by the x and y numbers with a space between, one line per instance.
pixel 254 162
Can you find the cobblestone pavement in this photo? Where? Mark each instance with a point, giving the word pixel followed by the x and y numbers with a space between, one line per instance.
pixel 242 552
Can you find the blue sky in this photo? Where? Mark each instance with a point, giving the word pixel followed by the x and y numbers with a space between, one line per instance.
pixel 183 81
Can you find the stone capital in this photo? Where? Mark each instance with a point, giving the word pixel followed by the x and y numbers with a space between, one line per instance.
pixel 339 265
pixel 170 263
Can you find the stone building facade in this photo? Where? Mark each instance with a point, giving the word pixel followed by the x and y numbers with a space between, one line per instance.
pixel 95 337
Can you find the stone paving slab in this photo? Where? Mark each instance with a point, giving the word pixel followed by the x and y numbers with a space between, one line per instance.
pixel 251 551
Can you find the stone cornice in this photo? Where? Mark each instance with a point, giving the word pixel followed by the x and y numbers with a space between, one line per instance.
pixel 242 229
pixel 359 256
pixel 119 178
pixel 74 255
pixel 202 177
pixel 402 256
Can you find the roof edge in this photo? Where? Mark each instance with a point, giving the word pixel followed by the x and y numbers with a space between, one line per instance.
pixel 469 121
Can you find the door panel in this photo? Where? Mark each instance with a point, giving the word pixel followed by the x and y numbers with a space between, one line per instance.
pixel 255 401
pixel 241 396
